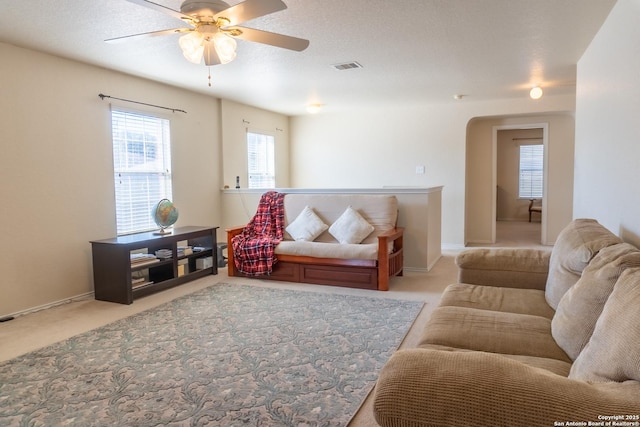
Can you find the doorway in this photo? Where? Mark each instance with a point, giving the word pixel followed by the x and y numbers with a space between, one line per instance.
pixel 510 201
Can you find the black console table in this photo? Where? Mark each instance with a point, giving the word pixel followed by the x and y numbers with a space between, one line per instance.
pixel 131 266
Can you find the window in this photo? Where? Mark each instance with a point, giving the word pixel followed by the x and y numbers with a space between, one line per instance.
pixel 261 160
pixel 531 171
pixel 142 168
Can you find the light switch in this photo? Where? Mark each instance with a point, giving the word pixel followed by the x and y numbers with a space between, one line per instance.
pixel 420 169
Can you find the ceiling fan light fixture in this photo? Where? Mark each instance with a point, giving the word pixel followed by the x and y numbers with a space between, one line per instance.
pixel 225 47
pixel 192 45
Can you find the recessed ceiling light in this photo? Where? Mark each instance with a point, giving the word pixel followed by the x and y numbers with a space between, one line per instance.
pixel 536 92
pixel 314 108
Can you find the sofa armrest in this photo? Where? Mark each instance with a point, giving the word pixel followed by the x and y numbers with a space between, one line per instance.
pixel 511 268
pixel 424 387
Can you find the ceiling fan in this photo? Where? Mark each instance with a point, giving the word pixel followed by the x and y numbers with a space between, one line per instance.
pixel 213 28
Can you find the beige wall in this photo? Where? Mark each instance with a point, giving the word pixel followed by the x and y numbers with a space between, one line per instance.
pixel 383 145
pixel 236 120
pixel 57 170
pixel 480 191
pixel 607 165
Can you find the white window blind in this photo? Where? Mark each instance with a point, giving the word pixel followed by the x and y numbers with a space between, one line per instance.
pixel 142 168
pixel 531 171
pixel 261 160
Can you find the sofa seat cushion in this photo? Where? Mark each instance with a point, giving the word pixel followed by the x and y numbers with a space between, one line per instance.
pixel 504 267
pixel 451 389
pixel 575 246
pixel 328 250
pixel 493 332
pixel 558 367
pixel 507 300
pixel 581 306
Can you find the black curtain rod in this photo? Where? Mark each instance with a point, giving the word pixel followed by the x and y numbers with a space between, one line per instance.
pixel 102 96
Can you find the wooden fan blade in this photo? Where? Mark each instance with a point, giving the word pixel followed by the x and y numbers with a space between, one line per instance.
pixel 149 34
pixel 248 10
pixel 273 39
pixel 163 9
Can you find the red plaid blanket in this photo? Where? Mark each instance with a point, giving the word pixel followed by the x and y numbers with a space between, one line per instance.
pixel 254 248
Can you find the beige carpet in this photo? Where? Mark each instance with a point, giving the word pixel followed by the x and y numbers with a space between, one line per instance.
pixel 30 332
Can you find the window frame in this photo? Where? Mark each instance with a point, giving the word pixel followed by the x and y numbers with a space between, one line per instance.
pixel 142 156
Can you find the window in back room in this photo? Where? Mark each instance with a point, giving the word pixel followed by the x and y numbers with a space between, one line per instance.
pixel 531 178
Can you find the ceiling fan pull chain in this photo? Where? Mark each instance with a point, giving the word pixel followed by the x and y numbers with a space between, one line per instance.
pixel 209 76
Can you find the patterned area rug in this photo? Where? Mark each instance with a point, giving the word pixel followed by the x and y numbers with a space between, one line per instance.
pixel 228 355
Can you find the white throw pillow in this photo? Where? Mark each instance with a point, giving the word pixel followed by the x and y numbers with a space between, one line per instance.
pixel 307 226
pixel 351 227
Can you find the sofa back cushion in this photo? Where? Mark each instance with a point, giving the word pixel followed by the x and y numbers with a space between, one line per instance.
pixel 613 353
pixel 581 306
pixel 576 245
pixel 379 210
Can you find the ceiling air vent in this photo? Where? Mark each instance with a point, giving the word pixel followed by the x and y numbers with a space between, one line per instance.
pixel 346 66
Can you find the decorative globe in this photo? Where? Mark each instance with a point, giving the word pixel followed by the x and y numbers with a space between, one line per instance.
pixel 164 214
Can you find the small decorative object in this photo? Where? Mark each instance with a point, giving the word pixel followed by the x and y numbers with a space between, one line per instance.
pixel 165 215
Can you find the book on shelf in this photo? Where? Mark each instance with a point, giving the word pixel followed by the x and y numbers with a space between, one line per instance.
pixel 164 253
pixel 184 251
pixel 148 261
pixel 141 284
pixel 138 256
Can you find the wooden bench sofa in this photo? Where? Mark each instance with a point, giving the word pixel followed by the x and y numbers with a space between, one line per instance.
pixel 367 265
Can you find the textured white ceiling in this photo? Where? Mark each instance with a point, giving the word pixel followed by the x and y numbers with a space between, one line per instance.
pixel 411 51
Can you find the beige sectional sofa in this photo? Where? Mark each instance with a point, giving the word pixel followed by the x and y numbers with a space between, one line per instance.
pixel 369 254
pixel 527 338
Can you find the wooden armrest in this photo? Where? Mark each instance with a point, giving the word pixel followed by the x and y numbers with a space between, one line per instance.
pixel 394 236
pixel 235 230
pixel 231 233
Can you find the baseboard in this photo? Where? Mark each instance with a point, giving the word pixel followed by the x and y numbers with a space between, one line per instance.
pixel 415 269
pixel 479 242
pixel 81 297
pixel 453 247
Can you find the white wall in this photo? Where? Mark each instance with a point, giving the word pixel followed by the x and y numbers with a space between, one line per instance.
pixel 607 155
pixel 383 145
pixel 57 170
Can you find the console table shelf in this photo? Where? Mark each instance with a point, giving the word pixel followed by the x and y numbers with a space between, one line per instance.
pixel 117 279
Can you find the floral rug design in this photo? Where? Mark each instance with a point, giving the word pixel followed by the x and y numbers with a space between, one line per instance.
pixel 228 355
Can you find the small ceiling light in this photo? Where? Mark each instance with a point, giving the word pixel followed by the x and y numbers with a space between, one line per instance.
pixel 536 92
pixel 458 96
pixel 314 108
